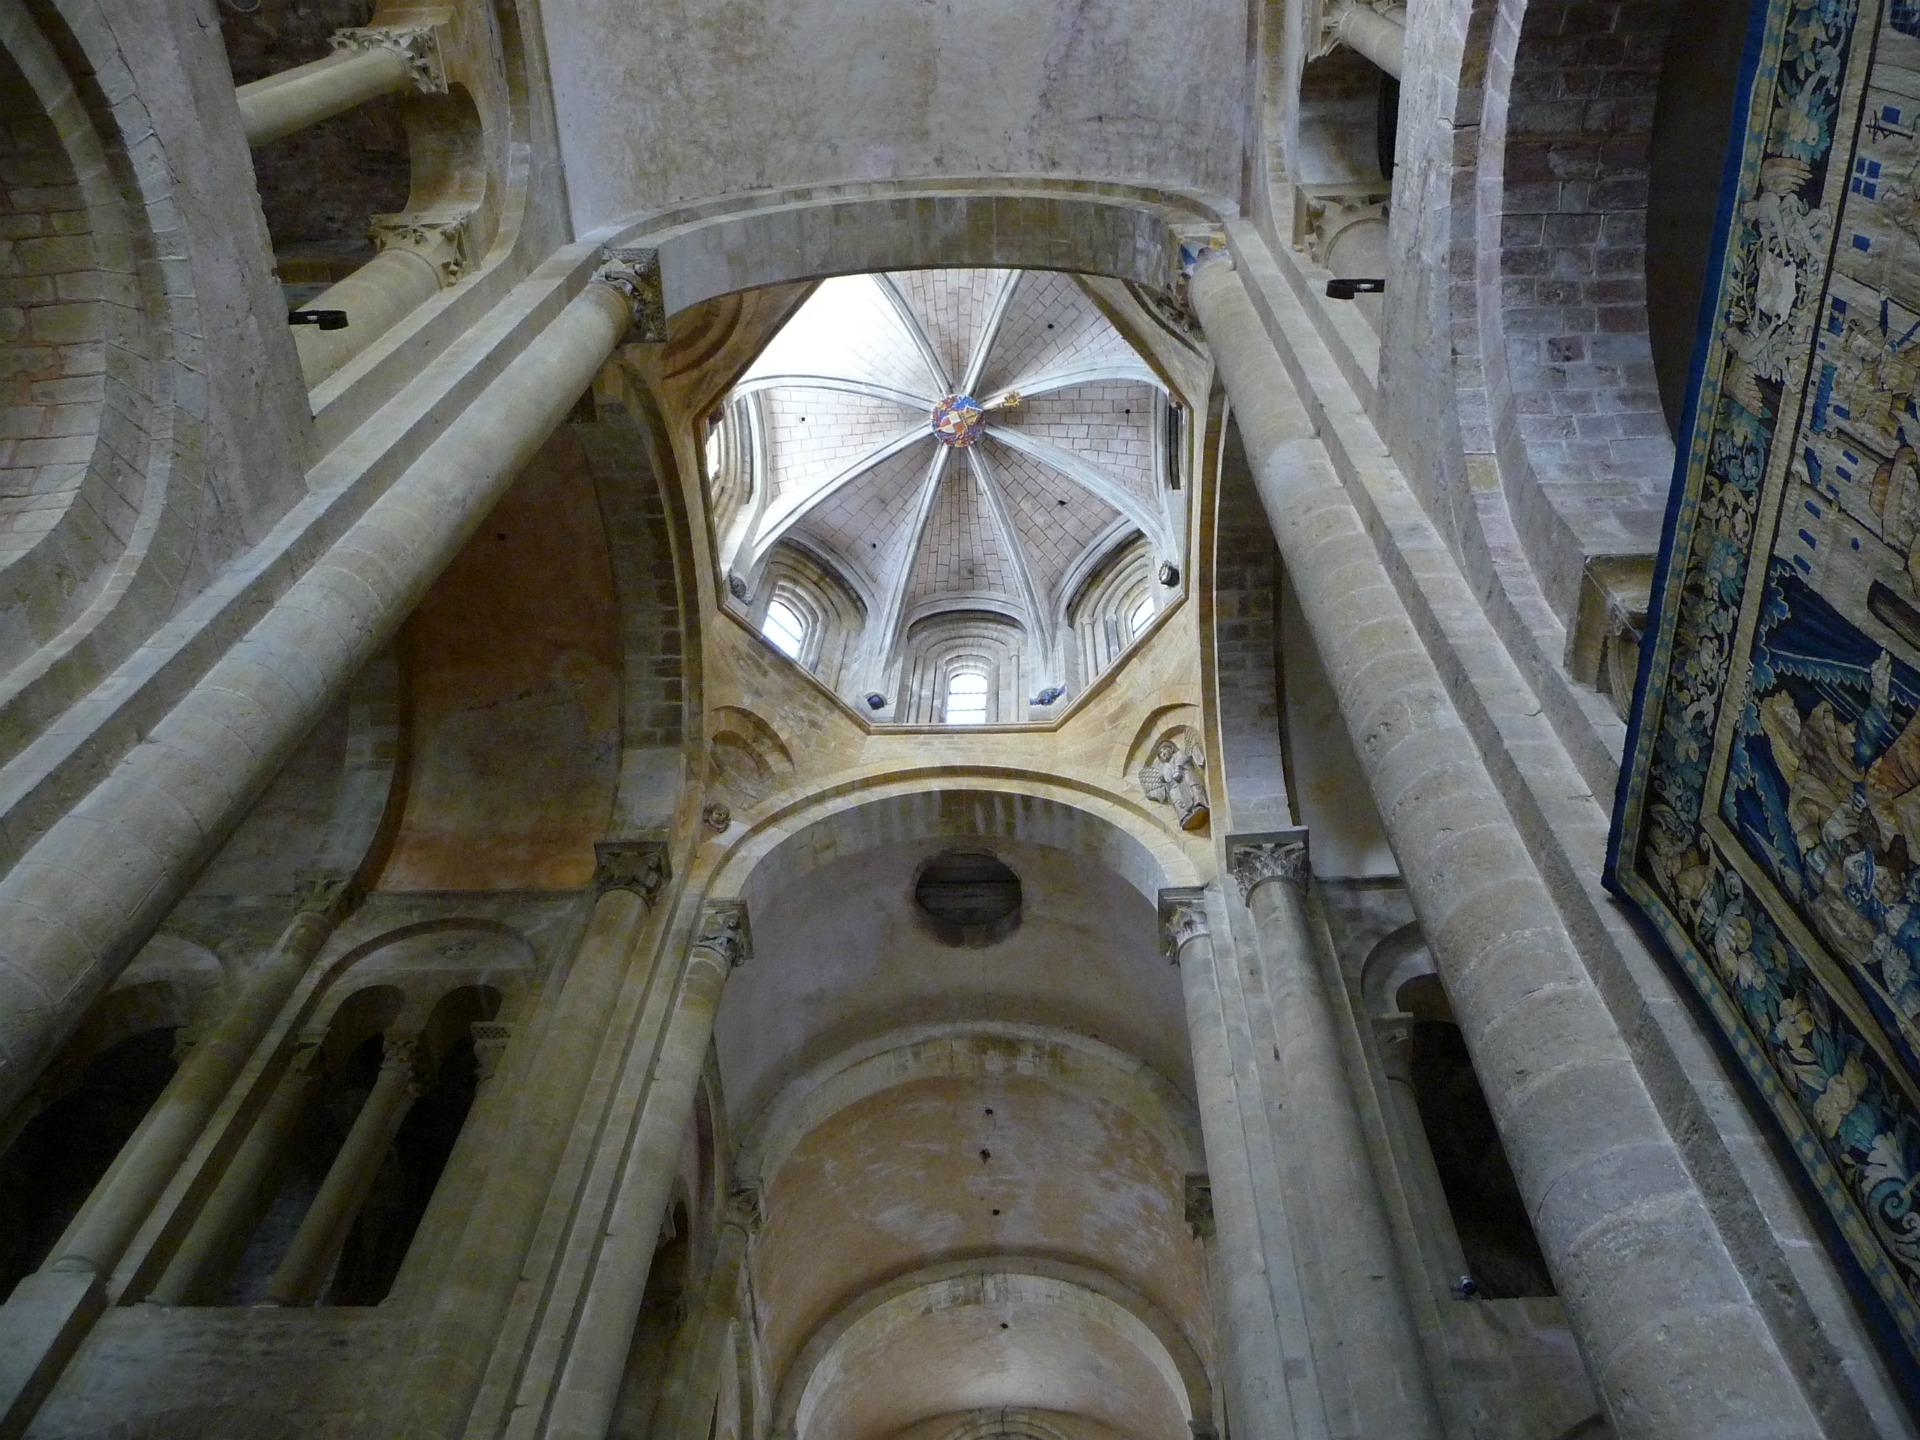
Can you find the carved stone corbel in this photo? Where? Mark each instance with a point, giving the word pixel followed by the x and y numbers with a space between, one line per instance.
pixel 635 273
pixel 440 240
pixel 642 867
pixel 417 45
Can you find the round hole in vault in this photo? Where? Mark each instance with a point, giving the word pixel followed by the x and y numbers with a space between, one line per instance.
pixel 968 897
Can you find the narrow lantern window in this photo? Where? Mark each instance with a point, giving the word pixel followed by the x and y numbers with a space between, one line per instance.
pixel 784 627
pixel 1139 615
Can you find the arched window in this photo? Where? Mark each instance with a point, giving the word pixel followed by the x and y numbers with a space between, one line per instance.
pixel 785 627
pixel 1139 614
pixel 966 698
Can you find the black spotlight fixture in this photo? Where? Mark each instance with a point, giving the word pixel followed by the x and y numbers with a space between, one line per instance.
pixel 1049 695
pixel 1169 574
pixel 876 701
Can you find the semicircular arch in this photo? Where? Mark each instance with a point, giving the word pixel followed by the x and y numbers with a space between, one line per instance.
pixel 869 1319
pixel 842 820
pixel 967 1051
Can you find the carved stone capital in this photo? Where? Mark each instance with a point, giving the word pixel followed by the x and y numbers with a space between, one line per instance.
pixel 635 273
pixel 723 930
pixel 1256 859
pixel 440 240
pixel 744 1209
pixel 490 1040
pixel 406 1056
pixel 1393 1035
pixel 640 866
pixel 417 45
pixel 1198 1194
pixel 323 895
pixel 1183 917
pixel 717 817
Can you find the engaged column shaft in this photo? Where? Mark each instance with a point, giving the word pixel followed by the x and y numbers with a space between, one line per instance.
pixel 1675 1344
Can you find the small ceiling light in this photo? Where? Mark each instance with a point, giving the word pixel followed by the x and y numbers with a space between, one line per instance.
pixel 876 701
pixel 1047 697
pixel 1169 574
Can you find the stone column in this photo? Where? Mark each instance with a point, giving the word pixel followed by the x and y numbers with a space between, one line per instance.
pixel 365 63
pixel 107 1223
pixel 444 1374
pixel 419 256
pixel 215 1232
pixel 1272 1385
pixel 1673 1340
pixel 698 1357
pixel 466 1168
pixel 83 899
pixel 323 1229
pixel 1439 1240
pixel 1380 1346
pixel 1377 32
pixel 602 1337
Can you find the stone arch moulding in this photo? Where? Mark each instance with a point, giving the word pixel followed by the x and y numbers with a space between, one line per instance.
pixel 1584 451
pixel 977 805
pixel 746 756
pixel 955 1284
pixel 972 1049
pixel 1397 958
pixel 383 959
pixel 1126 232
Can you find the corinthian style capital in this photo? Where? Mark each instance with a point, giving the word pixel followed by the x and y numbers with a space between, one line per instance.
pixel 439 239
pixel 1183 917
pixel 417 45
pixel 639 866
pixel 1255 859
pixel 723 930
pixel 635 274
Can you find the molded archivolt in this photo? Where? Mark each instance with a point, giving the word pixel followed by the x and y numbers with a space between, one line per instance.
pixel 1015 806
pixel 140 458
pixel 829 1390
pixel 1585 452
pixel 80 346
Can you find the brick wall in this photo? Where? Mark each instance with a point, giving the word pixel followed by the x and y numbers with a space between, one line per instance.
pixel 1580 425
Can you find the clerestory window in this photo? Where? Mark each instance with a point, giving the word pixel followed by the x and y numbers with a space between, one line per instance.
pixel 785 627
pixel 966 698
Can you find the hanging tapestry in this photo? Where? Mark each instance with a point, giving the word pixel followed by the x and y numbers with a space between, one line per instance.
pixel 1768 821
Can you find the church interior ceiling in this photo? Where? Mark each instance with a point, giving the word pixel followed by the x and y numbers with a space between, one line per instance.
pixel 950 441
pixel 1768 825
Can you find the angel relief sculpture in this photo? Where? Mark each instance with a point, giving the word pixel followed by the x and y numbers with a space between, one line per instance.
pixel 1175 775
